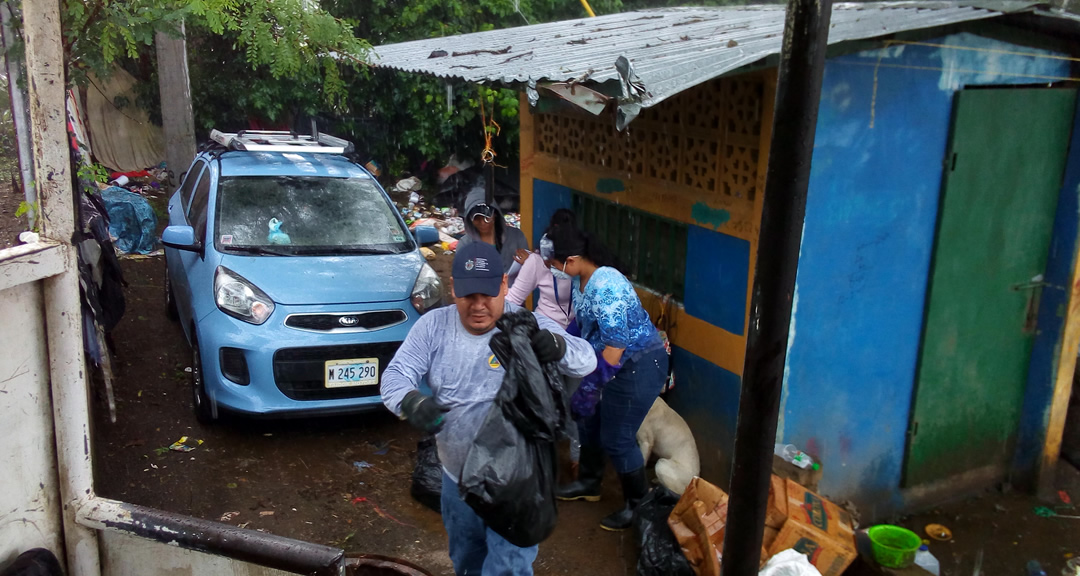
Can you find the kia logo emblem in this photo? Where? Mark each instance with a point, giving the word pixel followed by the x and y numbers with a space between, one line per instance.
pixel 348 320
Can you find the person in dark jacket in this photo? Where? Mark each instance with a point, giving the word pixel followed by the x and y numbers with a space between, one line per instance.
pixel 484 222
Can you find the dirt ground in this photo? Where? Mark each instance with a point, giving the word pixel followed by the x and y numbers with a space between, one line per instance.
pixel 298 478
pixel 10 226
pixel 294 478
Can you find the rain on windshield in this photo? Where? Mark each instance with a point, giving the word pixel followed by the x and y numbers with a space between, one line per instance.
pixel 306 215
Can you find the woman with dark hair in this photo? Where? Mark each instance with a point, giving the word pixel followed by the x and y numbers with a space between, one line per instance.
pixel 631 369
pixel 535 273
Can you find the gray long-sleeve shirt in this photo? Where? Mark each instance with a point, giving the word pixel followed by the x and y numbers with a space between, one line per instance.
pixel 463 374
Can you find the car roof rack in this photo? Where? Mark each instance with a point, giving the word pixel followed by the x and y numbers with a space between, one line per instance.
pixel 282 141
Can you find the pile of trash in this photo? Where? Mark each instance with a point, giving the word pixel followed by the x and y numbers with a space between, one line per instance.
pixel 127 196
pixel 417 211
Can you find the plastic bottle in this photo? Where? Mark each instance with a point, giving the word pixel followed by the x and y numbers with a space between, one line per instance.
pixel 1035 569
pixel 797 457
pixel 925 560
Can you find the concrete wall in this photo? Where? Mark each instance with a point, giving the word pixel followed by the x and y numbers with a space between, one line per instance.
pixel 870 223
pixel 642 169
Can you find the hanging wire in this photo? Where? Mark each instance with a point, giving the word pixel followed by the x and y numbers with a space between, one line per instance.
pixel 517 8
pixel 491 129
pixel 878 65
pixel 976 49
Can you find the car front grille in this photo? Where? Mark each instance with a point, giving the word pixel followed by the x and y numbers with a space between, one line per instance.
pixel 346 322
pixel 300 372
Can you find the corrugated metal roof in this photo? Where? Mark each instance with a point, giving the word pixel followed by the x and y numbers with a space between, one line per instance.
pixel 671 49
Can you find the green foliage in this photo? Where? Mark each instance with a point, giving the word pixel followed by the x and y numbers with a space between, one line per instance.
pixel 27 208
pixel 409 118
pixel 287 38
pixel 93 173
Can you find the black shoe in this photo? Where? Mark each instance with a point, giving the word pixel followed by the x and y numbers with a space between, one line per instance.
pixel 634 488
pixel 590 474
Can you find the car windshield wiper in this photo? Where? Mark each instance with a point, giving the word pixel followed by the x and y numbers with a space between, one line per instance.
pixel 259 250
pixel 335 250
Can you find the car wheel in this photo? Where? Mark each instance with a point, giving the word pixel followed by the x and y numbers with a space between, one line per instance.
pixel 170 302
pixel 200 400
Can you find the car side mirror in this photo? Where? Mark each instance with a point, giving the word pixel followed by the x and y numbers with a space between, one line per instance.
pixel 181 238
pixel 426 235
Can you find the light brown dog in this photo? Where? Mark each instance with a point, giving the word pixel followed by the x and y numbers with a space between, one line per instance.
pixel 665 434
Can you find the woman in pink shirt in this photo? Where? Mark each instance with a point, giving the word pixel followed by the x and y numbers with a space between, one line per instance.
pixel 555 301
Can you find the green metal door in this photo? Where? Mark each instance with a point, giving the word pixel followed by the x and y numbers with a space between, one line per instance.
pixel 1002 176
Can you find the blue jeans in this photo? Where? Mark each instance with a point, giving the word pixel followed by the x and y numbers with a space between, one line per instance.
pixel 475 549
pixel 623 406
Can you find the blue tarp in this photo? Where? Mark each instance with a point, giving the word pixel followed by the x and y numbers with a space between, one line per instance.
pixel 131 220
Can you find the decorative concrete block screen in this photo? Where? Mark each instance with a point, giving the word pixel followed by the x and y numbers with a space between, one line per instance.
pixel 704 140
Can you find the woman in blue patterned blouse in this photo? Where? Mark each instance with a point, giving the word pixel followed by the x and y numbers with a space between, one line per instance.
pixel 630 371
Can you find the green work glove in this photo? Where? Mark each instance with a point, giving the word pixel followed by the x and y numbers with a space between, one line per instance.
pixel 423 412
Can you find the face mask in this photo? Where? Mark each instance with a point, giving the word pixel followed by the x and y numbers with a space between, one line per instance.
pixel 560 275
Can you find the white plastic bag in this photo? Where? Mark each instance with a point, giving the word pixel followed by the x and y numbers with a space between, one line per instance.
pixel 789 563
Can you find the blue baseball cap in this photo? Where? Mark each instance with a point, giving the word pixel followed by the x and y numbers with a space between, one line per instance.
pixel 477 270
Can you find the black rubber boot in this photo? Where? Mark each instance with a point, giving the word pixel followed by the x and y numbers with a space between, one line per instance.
pixel 634 488
pixel 590 474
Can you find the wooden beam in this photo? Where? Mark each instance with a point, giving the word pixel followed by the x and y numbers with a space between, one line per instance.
pixel 45 77
pixel 1063 382
pixel 31 262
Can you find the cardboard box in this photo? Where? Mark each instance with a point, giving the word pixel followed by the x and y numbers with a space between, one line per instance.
pixel 817 528
pixel 826 553
pixel 808 508
pixel 794 518
pixel 776 512
pixel 698 522
pixel 771 534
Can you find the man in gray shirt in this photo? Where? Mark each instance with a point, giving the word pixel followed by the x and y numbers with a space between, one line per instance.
pixel 450 346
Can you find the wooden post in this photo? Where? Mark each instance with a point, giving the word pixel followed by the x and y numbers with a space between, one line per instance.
pixel 176 116
pixel 63 310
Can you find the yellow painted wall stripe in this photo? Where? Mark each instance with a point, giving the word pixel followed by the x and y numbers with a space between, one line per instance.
pixel 653 196
pixel 711 343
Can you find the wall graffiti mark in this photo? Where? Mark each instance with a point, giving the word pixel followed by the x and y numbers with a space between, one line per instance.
pixel 609 185
pixel 712 217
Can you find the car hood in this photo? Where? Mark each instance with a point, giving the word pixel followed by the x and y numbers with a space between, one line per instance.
pixel 300 280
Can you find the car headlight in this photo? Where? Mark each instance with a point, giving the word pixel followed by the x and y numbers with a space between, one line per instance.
pixel 239 298
pixel 427 292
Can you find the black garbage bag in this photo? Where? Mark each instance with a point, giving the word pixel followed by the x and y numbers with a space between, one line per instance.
pixel 659 553
pixel 510 471
pixel 36 562
pixel 427 475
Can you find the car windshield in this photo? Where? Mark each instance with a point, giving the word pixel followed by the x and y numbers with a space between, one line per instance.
pixel 312 215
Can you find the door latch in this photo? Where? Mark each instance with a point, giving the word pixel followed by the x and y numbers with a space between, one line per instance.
pixel 1031 311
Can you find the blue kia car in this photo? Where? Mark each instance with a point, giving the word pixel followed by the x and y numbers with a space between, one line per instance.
pixel 293 276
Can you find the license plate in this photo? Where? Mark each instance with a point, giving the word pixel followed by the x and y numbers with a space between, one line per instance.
pixel 352 372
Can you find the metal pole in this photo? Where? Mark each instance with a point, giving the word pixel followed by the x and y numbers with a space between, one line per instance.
pixel 798 92
pixel 19 116
pixel 63 313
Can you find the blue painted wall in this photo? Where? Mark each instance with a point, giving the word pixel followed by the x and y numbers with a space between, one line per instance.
pixel 869 233
pixel 716 278
pixel 707 397
pixel 547 198
pixel 1052 307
